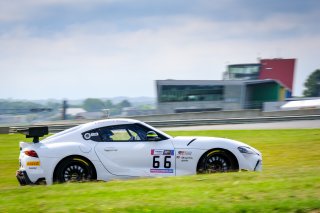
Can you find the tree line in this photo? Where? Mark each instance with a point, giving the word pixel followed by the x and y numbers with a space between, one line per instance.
pixel 89 104
pixel 95 104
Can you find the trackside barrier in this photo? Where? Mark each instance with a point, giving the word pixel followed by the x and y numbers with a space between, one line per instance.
pixel 54 128
pixel 4 130
pixel 200 122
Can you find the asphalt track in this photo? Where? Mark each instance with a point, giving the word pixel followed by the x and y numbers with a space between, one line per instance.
pixel 304 124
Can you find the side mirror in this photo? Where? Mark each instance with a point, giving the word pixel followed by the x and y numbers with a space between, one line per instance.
pixel 152 136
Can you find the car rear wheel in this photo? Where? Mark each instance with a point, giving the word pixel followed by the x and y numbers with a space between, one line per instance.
pixel 217 161
pixel 74 169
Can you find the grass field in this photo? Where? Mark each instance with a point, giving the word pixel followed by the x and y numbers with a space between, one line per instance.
pixel 290 182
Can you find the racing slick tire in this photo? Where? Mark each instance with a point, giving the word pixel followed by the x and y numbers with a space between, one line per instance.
pixel 74 169
pixel 216 161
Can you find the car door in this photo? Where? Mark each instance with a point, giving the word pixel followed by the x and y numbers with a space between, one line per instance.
pixel 125 151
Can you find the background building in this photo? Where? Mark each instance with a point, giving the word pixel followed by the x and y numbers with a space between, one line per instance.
pixel 205 95
pixel 278 69
pixel 245 86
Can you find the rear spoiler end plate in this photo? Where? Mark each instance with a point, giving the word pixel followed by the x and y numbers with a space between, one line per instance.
pixel 34 132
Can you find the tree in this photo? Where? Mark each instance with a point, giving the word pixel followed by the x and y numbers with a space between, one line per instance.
pixel 109 104
pixel 93 105
pixel 18 107
pixel 312 85
pixel 124 103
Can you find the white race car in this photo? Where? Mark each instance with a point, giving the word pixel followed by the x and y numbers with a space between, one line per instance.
pixel 123 148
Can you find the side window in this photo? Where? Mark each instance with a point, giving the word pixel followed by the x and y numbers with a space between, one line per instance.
pixel 134 135
pixel 106 134
pixel 120 135
pixel 143 130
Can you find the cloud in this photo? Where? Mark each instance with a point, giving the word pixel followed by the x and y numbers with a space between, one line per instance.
pixel 104 57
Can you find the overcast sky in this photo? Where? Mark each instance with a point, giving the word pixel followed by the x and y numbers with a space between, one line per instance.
pixel 79 48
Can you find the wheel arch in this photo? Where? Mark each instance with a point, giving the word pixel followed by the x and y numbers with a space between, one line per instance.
pixel 233 157
pixel 79 157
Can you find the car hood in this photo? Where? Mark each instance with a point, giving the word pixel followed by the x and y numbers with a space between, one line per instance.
pixel 198 142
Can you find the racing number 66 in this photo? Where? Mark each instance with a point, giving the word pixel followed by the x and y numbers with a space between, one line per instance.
pixel 156 162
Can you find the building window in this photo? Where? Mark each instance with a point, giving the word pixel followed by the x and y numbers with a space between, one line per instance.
pixel 179 93
pixel 243 72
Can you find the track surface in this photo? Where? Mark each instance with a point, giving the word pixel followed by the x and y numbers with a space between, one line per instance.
pixel 307 124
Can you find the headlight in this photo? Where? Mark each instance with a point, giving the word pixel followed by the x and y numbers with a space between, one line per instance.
pixel 246 150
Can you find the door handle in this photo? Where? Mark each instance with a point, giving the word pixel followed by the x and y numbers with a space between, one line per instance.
pixel 110 149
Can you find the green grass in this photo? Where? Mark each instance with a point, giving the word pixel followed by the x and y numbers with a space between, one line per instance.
pixel 290 182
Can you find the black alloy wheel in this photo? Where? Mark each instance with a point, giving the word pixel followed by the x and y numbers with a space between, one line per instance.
pixel 218 161
pixel 75 170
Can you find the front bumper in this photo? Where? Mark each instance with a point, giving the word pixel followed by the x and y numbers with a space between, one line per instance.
pixel 23 178
pixel 258 166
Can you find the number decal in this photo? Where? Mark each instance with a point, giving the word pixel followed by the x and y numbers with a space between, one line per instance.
pixel 167 164
pixel 156 163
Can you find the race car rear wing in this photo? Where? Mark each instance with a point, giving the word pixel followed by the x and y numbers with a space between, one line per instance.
pixel 34 132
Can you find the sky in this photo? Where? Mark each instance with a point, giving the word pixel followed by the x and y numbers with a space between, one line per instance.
pixel 75 49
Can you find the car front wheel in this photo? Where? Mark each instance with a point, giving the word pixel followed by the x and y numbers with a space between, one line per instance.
pixel 217 161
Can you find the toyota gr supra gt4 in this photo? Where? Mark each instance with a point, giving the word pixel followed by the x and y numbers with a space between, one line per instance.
pixel 123 148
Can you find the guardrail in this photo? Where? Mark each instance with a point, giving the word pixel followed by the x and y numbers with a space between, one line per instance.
pixel 200 122
pixel 56 127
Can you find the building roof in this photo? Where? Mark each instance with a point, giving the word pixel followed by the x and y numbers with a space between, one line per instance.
pixel 267 81
pixel 218 82
pixel 198 82
pixel 244 65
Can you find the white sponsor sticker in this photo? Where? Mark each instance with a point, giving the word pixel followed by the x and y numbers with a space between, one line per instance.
pixel 88 135
pixel 162 152
pixel 184 152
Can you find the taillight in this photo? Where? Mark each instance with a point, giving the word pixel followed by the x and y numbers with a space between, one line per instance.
pixel 31 153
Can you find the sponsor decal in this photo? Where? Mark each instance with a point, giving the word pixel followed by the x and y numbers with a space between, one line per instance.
pixel 161 170
pixel 33 163
pixel 94 134
pixel 162 152
pixel 184 152
pixel 88 135
pixel 184 158
pixel 33 167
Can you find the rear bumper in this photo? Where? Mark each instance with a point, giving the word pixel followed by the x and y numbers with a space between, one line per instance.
pixel 23 178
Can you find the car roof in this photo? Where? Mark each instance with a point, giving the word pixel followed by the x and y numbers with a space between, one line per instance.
pixel 107 122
